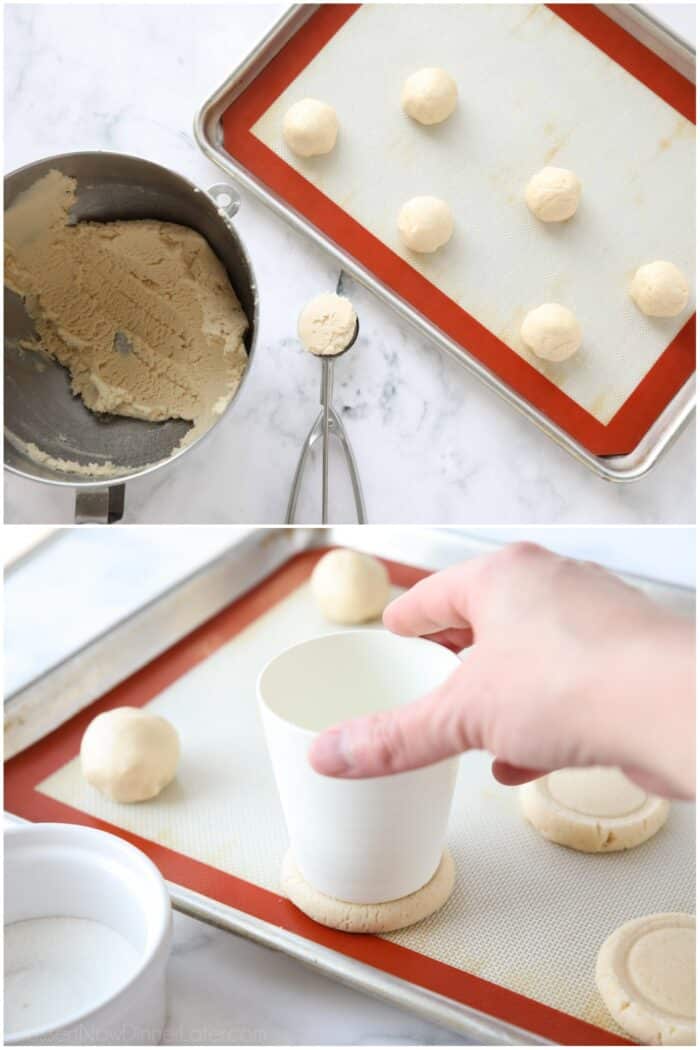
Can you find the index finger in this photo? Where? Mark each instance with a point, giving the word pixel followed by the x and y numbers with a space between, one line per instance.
pixel 439 602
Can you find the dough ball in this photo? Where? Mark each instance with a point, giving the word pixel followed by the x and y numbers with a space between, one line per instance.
pixel 594 810
pixel 659 289
pixel 429 96
pixel 350 587
pixel 310 127
pixel 552 332
pixel 645 973
pixel 128 754
pixel 327 324
pixel 368 918
pixel 425 224
pixel 553 194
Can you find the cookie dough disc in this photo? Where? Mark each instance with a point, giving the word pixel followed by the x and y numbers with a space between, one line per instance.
pixel 595 810
pixel 368 918
pixel 645 973
pixel 660 289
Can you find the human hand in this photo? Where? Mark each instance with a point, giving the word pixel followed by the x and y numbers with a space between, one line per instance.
pixel 568 666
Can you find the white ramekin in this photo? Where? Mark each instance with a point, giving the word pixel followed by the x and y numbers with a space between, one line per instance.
pixel 65 870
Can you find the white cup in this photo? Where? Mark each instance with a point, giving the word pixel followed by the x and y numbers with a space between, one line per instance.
pixel 368 840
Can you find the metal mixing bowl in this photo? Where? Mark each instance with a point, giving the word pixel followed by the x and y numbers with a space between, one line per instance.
pixel 39 405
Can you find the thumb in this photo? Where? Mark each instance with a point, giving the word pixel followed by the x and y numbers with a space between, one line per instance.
pixel 435 727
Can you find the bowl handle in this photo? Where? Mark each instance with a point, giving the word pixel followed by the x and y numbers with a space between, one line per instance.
pixel 225 198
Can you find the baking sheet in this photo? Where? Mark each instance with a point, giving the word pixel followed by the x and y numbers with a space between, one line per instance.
pixel 526 915
pixel 634 153
pixel 645 422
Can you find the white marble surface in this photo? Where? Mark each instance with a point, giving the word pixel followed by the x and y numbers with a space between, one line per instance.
pixel 432 443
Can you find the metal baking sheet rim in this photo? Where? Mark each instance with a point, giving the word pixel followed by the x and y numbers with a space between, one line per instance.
pixel 260 554
pixel 207 131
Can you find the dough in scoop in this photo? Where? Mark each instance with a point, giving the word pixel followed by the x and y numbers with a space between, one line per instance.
pixel 327 324
pixel 552 332
pixel 425 224
pixel 429 96
pixel 595 810
pixel 310 127
pixel 660 289
pixel 553 194
pixel 368 918
pixel 128 754
pixel 350 587
pixel 645 973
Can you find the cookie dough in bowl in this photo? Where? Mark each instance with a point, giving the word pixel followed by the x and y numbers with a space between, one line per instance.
pixel 368 918
pixel 167 333
pixel 595 810
pixel 645 973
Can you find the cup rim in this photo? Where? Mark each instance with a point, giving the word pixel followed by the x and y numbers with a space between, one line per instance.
pixel 311 734
pixel 62 834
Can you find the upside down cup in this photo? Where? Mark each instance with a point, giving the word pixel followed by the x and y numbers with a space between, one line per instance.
pixel 362 841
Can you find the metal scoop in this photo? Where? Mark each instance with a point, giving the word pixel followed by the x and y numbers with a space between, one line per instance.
pixel 328 423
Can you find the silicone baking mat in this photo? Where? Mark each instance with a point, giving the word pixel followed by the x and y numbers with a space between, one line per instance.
pixel 557 84
pixel 519 936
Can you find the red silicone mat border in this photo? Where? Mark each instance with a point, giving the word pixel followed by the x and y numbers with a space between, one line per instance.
pixel 31 767
pixel 664 379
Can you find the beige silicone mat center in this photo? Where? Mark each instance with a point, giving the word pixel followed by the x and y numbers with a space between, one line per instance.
pixel 525 914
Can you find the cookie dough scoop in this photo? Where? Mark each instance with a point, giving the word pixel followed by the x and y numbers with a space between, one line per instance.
pixel 328 327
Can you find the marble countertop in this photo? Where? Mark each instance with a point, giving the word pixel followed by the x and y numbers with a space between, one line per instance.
pixel 433 444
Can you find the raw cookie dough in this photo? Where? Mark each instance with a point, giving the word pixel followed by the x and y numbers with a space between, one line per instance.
pixel 645 973
pixel 128 754
pixel 425 224
pixel 327 324
pixel 660 289
pixel 310 127
pixel 429 96
pixel 595 810
pixel 553 194
pixel 140 312
pixel 552 332
pixel 368 918
pixel 350 587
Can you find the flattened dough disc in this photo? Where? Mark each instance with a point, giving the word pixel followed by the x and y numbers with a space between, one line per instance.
pixel 368 918
pixel 595 810
pixel 645 973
